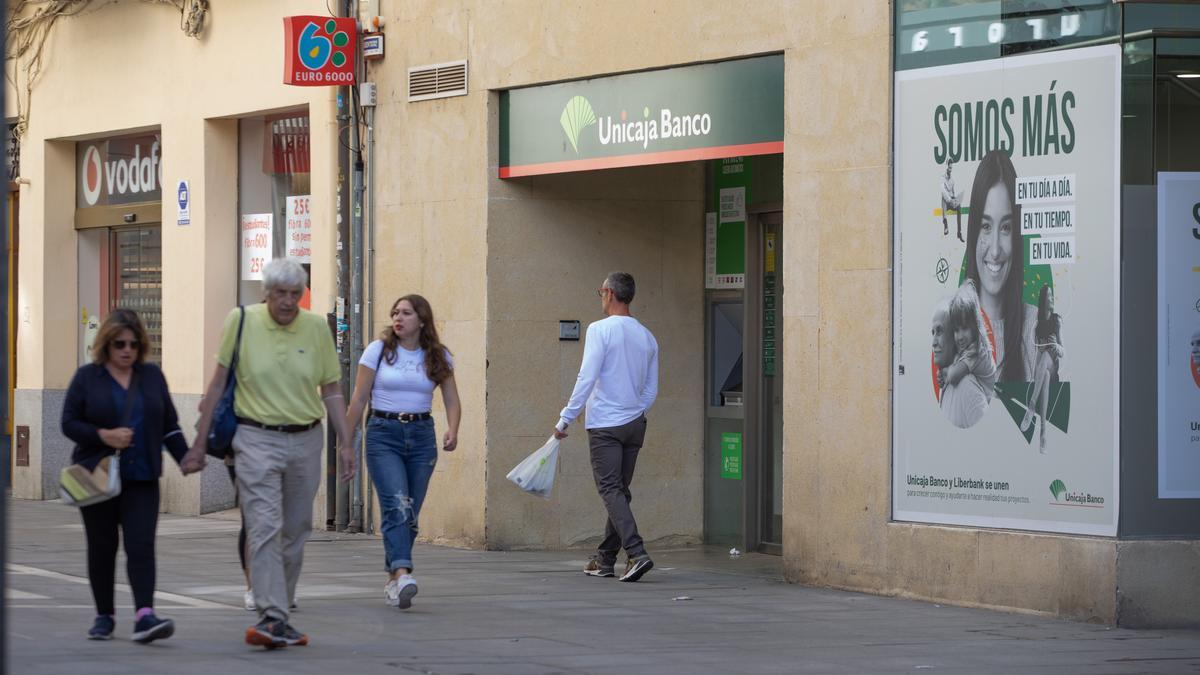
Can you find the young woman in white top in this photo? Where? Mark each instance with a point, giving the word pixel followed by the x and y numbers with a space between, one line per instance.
pixel 398 373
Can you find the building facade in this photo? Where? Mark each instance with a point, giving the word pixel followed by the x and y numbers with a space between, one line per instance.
pixel 776 180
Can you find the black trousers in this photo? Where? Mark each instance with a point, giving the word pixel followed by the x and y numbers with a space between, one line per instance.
pixel 135 512
pixel 614 452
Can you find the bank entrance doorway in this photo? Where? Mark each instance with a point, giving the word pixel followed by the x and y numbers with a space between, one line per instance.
pixel 743 476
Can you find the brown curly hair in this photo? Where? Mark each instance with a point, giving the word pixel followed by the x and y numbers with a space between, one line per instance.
pixel 117 321
pixel 437 366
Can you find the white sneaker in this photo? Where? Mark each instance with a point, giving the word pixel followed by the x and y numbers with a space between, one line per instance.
pixel 400 592
pixel 248 601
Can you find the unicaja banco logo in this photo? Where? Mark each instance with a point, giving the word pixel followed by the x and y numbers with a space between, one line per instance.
pixel 1057 488
pixel 1075 497
pixel 627 129
pixel 576 116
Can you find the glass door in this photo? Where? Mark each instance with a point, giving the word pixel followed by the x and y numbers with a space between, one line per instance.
pixel 136 278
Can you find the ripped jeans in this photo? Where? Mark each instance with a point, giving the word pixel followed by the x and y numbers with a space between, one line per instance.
pixel 400 457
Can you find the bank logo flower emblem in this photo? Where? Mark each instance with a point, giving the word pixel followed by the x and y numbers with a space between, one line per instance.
pixel 577 116
pixel 1057 488
pixel 317 49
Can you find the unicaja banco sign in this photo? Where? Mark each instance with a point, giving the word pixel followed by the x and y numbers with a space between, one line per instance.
pixel 319 50
pixel 122 170
pixel 709 111
pixel 578 115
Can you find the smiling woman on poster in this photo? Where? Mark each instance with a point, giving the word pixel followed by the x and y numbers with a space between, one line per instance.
pixel 996 263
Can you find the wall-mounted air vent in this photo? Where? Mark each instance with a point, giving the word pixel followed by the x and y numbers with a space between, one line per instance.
pixel 437 81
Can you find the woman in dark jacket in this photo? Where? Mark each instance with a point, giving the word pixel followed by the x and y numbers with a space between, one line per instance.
pixel 95 417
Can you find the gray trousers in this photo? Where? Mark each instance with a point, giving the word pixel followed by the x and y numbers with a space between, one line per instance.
pixel 277 475
pixel 614 453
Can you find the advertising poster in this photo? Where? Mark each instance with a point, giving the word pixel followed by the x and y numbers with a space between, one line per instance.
pixel 1006 293
pixel 726 236
pixel 299 229
pixel 1178 335
pixel 256 244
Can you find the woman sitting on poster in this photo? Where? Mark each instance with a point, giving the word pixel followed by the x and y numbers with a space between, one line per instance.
pixel 1048 336
pixel 995 262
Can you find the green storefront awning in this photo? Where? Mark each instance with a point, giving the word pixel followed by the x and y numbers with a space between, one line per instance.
pixel 707 111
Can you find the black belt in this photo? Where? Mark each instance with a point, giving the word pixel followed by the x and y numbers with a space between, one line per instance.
pixel 404 418
pixel 285 428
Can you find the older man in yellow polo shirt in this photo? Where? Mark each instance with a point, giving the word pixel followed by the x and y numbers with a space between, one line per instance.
pixel 287 380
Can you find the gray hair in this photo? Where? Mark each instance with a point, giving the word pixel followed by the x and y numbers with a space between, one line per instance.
pixel 622 286
pixel 284 273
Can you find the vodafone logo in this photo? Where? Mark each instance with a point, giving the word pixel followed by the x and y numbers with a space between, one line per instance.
pixel 119 170
pixel 90 175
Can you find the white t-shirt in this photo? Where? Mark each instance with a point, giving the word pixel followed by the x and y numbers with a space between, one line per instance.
pixel 403 386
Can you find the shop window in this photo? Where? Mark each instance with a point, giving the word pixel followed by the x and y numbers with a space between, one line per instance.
pixel 273 197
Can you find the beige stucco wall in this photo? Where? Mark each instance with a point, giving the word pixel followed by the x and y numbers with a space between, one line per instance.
pixel 125 68
pixel 448 228
pixel 837 431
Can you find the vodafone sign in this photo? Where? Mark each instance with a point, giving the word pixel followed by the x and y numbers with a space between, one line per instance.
pixel 121 170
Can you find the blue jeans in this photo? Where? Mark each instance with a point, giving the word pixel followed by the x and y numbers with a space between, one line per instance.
pixel 400 457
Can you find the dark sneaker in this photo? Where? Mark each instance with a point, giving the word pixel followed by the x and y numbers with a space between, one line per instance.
pixel 595 568
pixel 102 629
pixel 294 637
pixel 635 568
pixel 150 628
pixel 269 633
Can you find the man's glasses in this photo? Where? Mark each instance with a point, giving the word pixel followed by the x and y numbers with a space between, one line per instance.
pixel 600 291
pixel 126 344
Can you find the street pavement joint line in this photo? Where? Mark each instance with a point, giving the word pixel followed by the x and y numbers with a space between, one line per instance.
pixel 59 576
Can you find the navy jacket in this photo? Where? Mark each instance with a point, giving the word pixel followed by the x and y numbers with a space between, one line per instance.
pixel 90 407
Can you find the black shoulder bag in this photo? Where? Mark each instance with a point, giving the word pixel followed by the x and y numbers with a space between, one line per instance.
pixel 224 420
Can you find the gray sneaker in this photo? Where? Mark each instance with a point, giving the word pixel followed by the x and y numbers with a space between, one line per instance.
pixel 636 567
pixel 596 568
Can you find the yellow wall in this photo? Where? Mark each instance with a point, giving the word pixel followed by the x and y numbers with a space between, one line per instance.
pixel 128 67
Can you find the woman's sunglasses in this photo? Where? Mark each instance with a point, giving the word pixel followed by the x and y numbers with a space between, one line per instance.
pixel 123 344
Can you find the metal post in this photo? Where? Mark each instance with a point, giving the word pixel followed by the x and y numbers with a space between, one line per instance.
pixel 335 492
pixel 352 345
pixel 370 529
pixel 356 341
pixel 356 298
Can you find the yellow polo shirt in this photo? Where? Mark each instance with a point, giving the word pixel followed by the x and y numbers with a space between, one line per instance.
pixel 280 368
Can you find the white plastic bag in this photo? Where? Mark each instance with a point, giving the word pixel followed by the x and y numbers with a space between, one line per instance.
pixel 535 473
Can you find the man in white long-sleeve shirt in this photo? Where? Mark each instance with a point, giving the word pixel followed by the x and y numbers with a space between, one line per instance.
pixel 618 382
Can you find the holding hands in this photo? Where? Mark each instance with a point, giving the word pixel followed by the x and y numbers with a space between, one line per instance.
pixel 195 459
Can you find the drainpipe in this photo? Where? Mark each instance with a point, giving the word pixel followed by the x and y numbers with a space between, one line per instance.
pixel 371 277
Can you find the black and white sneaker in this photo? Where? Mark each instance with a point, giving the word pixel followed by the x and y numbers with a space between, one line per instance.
pixel 102 629
pixel 637 567
pixel 150 628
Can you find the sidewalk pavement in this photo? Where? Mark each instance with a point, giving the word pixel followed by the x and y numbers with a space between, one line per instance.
pixel 481 612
